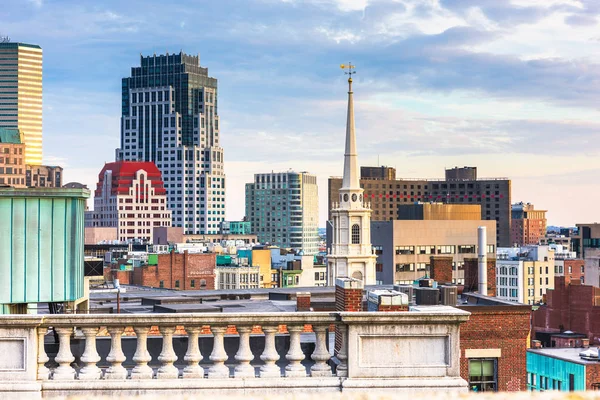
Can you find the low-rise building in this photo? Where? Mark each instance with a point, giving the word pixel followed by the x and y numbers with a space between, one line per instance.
pixel 43 176
pixel 12 156
pixel 524 274
pixel 404 247
pixel 182 271
pixel 564 369
pixel 237 277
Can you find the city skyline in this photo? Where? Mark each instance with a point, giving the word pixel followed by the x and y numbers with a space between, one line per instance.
pixel 518 101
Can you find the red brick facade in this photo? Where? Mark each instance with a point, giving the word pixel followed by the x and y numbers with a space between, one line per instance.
pixel 184 271
pixel 472 275
pixel 498 327
pixel 385 307
pixel 574 270
pixel 441 269
pixel 348 299
pixel 303 301
pixel 592 376
pixel 570 307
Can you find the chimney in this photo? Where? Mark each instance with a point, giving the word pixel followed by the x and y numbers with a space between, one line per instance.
pixel 348 294
pixel 482 260
pixel 303 301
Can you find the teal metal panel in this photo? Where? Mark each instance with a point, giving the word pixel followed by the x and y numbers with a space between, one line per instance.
pixel 45 253
pixel 555 370
pixel 41 245
pixel 32 236
pixel 5 245
pixel 17 294
pixel 59 221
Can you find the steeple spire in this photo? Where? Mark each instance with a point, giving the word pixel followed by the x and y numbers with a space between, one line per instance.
pixel 351 176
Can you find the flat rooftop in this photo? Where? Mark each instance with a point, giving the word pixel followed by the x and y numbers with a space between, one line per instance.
pixel 570 354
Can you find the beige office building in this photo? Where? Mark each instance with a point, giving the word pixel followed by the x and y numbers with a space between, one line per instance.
pixel 21 95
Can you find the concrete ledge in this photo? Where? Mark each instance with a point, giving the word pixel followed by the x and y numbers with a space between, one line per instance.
pixel 406 385
pixel 20 390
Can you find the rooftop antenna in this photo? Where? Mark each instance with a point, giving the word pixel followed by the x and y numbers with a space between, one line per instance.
pixel 4 39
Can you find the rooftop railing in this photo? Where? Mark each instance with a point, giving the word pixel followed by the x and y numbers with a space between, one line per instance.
pixel 76 354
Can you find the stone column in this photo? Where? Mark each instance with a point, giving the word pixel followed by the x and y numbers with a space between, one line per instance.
pixel 218 355
pixel 64 358
pixel 193 355
pixel 43 373
pixel 141 357
pixel 90 357
pixel 342 354
pixel 295 354
pixel 269 355
pixel 321 354
pixel 244 355
pixel 116 355
pixel 167 356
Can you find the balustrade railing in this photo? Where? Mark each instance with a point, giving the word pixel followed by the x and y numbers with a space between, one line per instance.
pixel 139 353
pixel 191 326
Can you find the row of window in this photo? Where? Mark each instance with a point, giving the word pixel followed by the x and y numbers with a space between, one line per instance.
pixel 448 249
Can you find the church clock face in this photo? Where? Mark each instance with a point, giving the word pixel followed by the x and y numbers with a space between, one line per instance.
pixel 346 197
pixel 354 197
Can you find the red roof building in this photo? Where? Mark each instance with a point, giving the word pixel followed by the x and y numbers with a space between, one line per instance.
pixel 131 197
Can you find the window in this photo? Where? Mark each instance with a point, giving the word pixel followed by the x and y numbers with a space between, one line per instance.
pixel 161 284
pixel 192 282
pixel 176 284
pixel 405 249
pixel 355 234
pixel 203 283
pixel 482 375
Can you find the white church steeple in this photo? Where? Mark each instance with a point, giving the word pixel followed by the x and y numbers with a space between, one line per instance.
pixel 351 254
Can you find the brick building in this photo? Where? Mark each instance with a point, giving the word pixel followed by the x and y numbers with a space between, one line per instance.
pixel 573 270
pixel 573 307
pixel 183 271
pixel 460 186
pixel 12 156
pixel 528 225
pixel 494 339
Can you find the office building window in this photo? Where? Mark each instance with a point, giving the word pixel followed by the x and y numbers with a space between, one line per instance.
pixel 482 375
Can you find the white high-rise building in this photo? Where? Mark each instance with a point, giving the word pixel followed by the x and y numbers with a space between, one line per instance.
pixel 351 254
pixel 169 116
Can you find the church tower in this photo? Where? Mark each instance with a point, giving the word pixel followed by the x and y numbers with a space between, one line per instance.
pixel 351 254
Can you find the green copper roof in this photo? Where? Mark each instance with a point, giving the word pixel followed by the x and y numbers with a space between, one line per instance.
pixel 10 135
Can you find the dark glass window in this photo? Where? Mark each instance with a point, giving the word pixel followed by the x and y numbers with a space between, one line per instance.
pixel 355 234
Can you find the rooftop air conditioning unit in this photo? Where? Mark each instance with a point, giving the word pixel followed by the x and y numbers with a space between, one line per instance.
pixel 427 296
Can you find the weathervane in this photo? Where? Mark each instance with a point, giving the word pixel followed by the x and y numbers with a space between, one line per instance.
pixel 349 70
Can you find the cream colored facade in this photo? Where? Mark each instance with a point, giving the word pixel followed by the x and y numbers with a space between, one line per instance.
pixel 524 274
pixel 404 247
pixel 21 95
pixel 237 277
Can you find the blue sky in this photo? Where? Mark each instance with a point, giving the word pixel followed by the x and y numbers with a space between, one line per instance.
pixel 509 86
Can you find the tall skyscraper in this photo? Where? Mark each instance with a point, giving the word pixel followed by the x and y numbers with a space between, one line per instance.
pixel 169 116
pixel 21 95
pixel 351 253
pixel 283 210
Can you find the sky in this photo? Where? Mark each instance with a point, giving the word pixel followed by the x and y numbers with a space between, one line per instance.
pixel 509 86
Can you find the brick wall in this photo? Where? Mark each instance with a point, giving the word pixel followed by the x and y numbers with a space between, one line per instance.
pixel 498 327
pixel 441 269
pixel 577 266
pixel 303 301
pixel 348 297
pixel 570 307
pixel 471 268
pixel 386 307
pixel 182 271
pixel 592 376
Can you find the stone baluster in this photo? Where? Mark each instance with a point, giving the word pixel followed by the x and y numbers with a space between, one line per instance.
pixel 116 356
pixel 43 373
pixel 64 358
pixel 244 355
pixel 167 356
pixel 295 354
pixel 90 357
pixel 321 354
pixel 193 355
pixel 269 355
pixel 342 354
pixel 218 355
pixel 142 357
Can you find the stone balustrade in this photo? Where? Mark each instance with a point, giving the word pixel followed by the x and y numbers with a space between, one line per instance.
pixel 400 351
